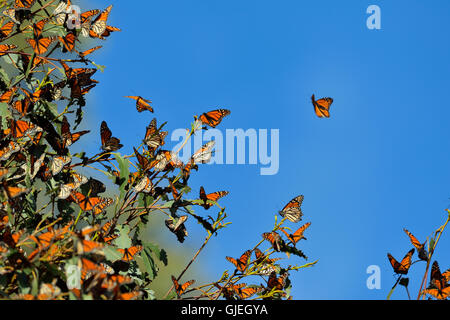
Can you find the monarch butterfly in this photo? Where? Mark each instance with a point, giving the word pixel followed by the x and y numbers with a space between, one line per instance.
pixel 129 253
pixel 277 282
pixel 292 211
pixel 165 161
pixel 275 239
pixel 89 268
pixel 68 137
pixel 27 4
pixel 262 258
pixel 9 150
pixel 40 46
pixel 181 288
pixel 178 228
pixel 241 264
pixel 106 234
pixel 439 287
pixel 214 117
pixel 84 245
pixel 322 106
pixel 153 137
pixel 144 185
pixel 204 154
pixel 6 29
pixel 13 192
pixel 59 163
pixel 8 95
pixel 35 165
pixel 89 51
pixel 246 292
pixel 297 235
pixel 68 41
pixel 6 47
pixel 22 106
pixel 133 295
pixel 141 103
pixel 20 128
pixel 94 204
pixel 403 266
pixel 422 253
pixel 66 189
pixel 143 162
pixel 98 28
pixel 210 196
pixel 109 143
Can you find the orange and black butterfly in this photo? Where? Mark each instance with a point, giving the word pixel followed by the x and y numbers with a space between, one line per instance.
pixel 422 253
pixel 214 117
pixel 322 106
pixel 210 196
pixel 84 244
pixel 403 266
pixel 24 4
pixel 245 292
pixel 6 29
pixel 12 192
pixel 94 204
pixel 99 28
pixel 7 96
pixel 6 47
pixel 39 43
pixel 68 42
pixel 439 287
pixel 68 137
pixel 20 128
pixel 106 233
pixel 277 282
pixel 292 211
pixel 262 258
pixel 181 288
pixel 23 106
pixel 109 143
pixel 241 263
pixel 297 235
pixel 58 163
pixel 153 136
pixel 275 239
pixel 130 253
pixel 89 51
pixel 141 103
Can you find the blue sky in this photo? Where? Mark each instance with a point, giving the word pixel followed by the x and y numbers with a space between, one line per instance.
pixel 377 165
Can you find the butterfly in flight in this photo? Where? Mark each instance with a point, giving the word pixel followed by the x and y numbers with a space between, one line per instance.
pixel 322 106
pixel 292 211
pixel 109 143
pixel 439 287
pixel 422 253
pixel 181 288
pixel 141 103
pixel 210 196
pixel 403 266
pixel 297 235
pixel 214 117
pixel 241 263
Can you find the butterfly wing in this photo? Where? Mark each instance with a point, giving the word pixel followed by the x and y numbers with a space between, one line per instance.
pixel 214 117
pixel 292 211
pixel 403 266
pixel 322 106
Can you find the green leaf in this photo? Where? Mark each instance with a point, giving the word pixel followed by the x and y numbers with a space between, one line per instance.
pixel 123 240
pixel 124 168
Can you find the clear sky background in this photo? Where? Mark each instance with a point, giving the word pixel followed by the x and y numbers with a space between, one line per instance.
pixel 378 164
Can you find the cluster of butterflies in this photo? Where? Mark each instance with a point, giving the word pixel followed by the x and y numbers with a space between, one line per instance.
pixel 439 286
pixel 97 275
pixel 93 23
